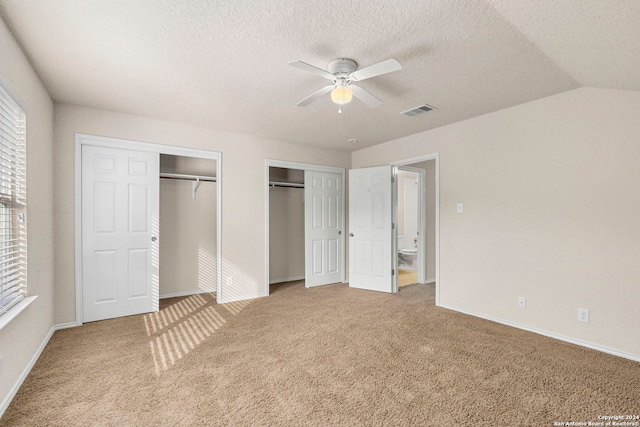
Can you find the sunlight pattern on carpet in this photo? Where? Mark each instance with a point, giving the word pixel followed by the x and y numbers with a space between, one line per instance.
pixel 178 329
pixel 155 322
pixel 236 307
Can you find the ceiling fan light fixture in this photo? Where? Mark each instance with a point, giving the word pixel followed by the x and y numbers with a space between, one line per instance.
pixel 341 95
pixel 342 72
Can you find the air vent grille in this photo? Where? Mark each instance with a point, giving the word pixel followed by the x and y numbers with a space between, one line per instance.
pixel 416 111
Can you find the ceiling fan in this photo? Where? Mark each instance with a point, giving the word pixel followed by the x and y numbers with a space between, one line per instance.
pixel 343 72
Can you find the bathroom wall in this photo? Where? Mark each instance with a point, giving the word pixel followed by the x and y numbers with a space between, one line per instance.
pixel 407 209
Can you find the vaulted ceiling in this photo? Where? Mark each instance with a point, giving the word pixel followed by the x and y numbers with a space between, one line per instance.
pixel 223 63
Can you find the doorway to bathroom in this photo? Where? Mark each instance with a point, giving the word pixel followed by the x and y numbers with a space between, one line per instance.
pixel 410 225
pixel 416 213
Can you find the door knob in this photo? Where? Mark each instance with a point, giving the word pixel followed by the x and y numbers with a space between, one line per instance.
pixel 154 238
pixel 350 234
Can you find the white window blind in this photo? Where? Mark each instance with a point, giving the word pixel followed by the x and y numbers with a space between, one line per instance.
pixel 13 201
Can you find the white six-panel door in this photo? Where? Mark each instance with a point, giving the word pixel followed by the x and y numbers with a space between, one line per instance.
pixel 120 213
pixel 323 227
pixel 370 229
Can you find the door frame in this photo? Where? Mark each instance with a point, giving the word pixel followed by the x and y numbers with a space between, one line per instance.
pixel 301 166
pixel 422 219
pixel 409 162
pixel 125 144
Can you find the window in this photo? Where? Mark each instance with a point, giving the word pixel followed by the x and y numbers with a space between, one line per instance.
pixel 13 202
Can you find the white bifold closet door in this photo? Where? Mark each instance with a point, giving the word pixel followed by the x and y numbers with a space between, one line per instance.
pixel 323 227
pixel 120 224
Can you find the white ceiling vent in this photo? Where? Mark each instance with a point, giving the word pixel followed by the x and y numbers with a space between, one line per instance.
pixel 416 111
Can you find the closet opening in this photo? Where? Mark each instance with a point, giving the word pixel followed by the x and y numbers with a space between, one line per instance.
pixel 305 217
pixel 286 227
pixel 118 195
pixel 188 225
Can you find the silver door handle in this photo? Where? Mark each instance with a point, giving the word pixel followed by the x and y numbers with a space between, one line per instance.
pixel 154 238
pixel 350 234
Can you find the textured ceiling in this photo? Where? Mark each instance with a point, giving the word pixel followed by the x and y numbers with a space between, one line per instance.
pixel 223 64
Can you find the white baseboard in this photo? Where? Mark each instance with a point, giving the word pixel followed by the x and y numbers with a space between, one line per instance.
pixel 289 279
pixel 553 335
pixel 67 325
pixel 186 294
pixel 189 293
pixel 14 390
pixel 244 298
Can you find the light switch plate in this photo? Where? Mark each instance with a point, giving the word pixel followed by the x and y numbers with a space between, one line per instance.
pixel 460 208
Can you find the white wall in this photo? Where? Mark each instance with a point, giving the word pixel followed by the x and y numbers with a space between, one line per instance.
pixel 430 205
pixel 430 178
pixel 551 202
pixel 243 191
pixel 21 339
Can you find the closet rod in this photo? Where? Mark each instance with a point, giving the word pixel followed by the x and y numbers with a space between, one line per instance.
pixel 285 184
pixel 187 177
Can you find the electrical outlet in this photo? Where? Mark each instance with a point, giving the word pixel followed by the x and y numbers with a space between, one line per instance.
pixel 229 282
pixel 522 302
pixel 583 315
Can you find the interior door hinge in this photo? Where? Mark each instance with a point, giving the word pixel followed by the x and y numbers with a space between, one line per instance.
pixel 393 272
pixel 393 225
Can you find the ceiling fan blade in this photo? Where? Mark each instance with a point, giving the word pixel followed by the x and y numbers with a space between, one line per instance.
pixel 384 67
pixel 312 69
pixel 365 97
pixel 318 94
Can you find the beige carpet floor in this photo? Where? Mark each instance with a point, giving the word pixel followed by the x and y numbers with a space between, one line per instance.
pixel 326 356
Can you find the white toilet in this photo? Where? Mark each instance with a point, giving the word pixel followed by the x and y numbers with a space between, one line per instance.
pixel 407 258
